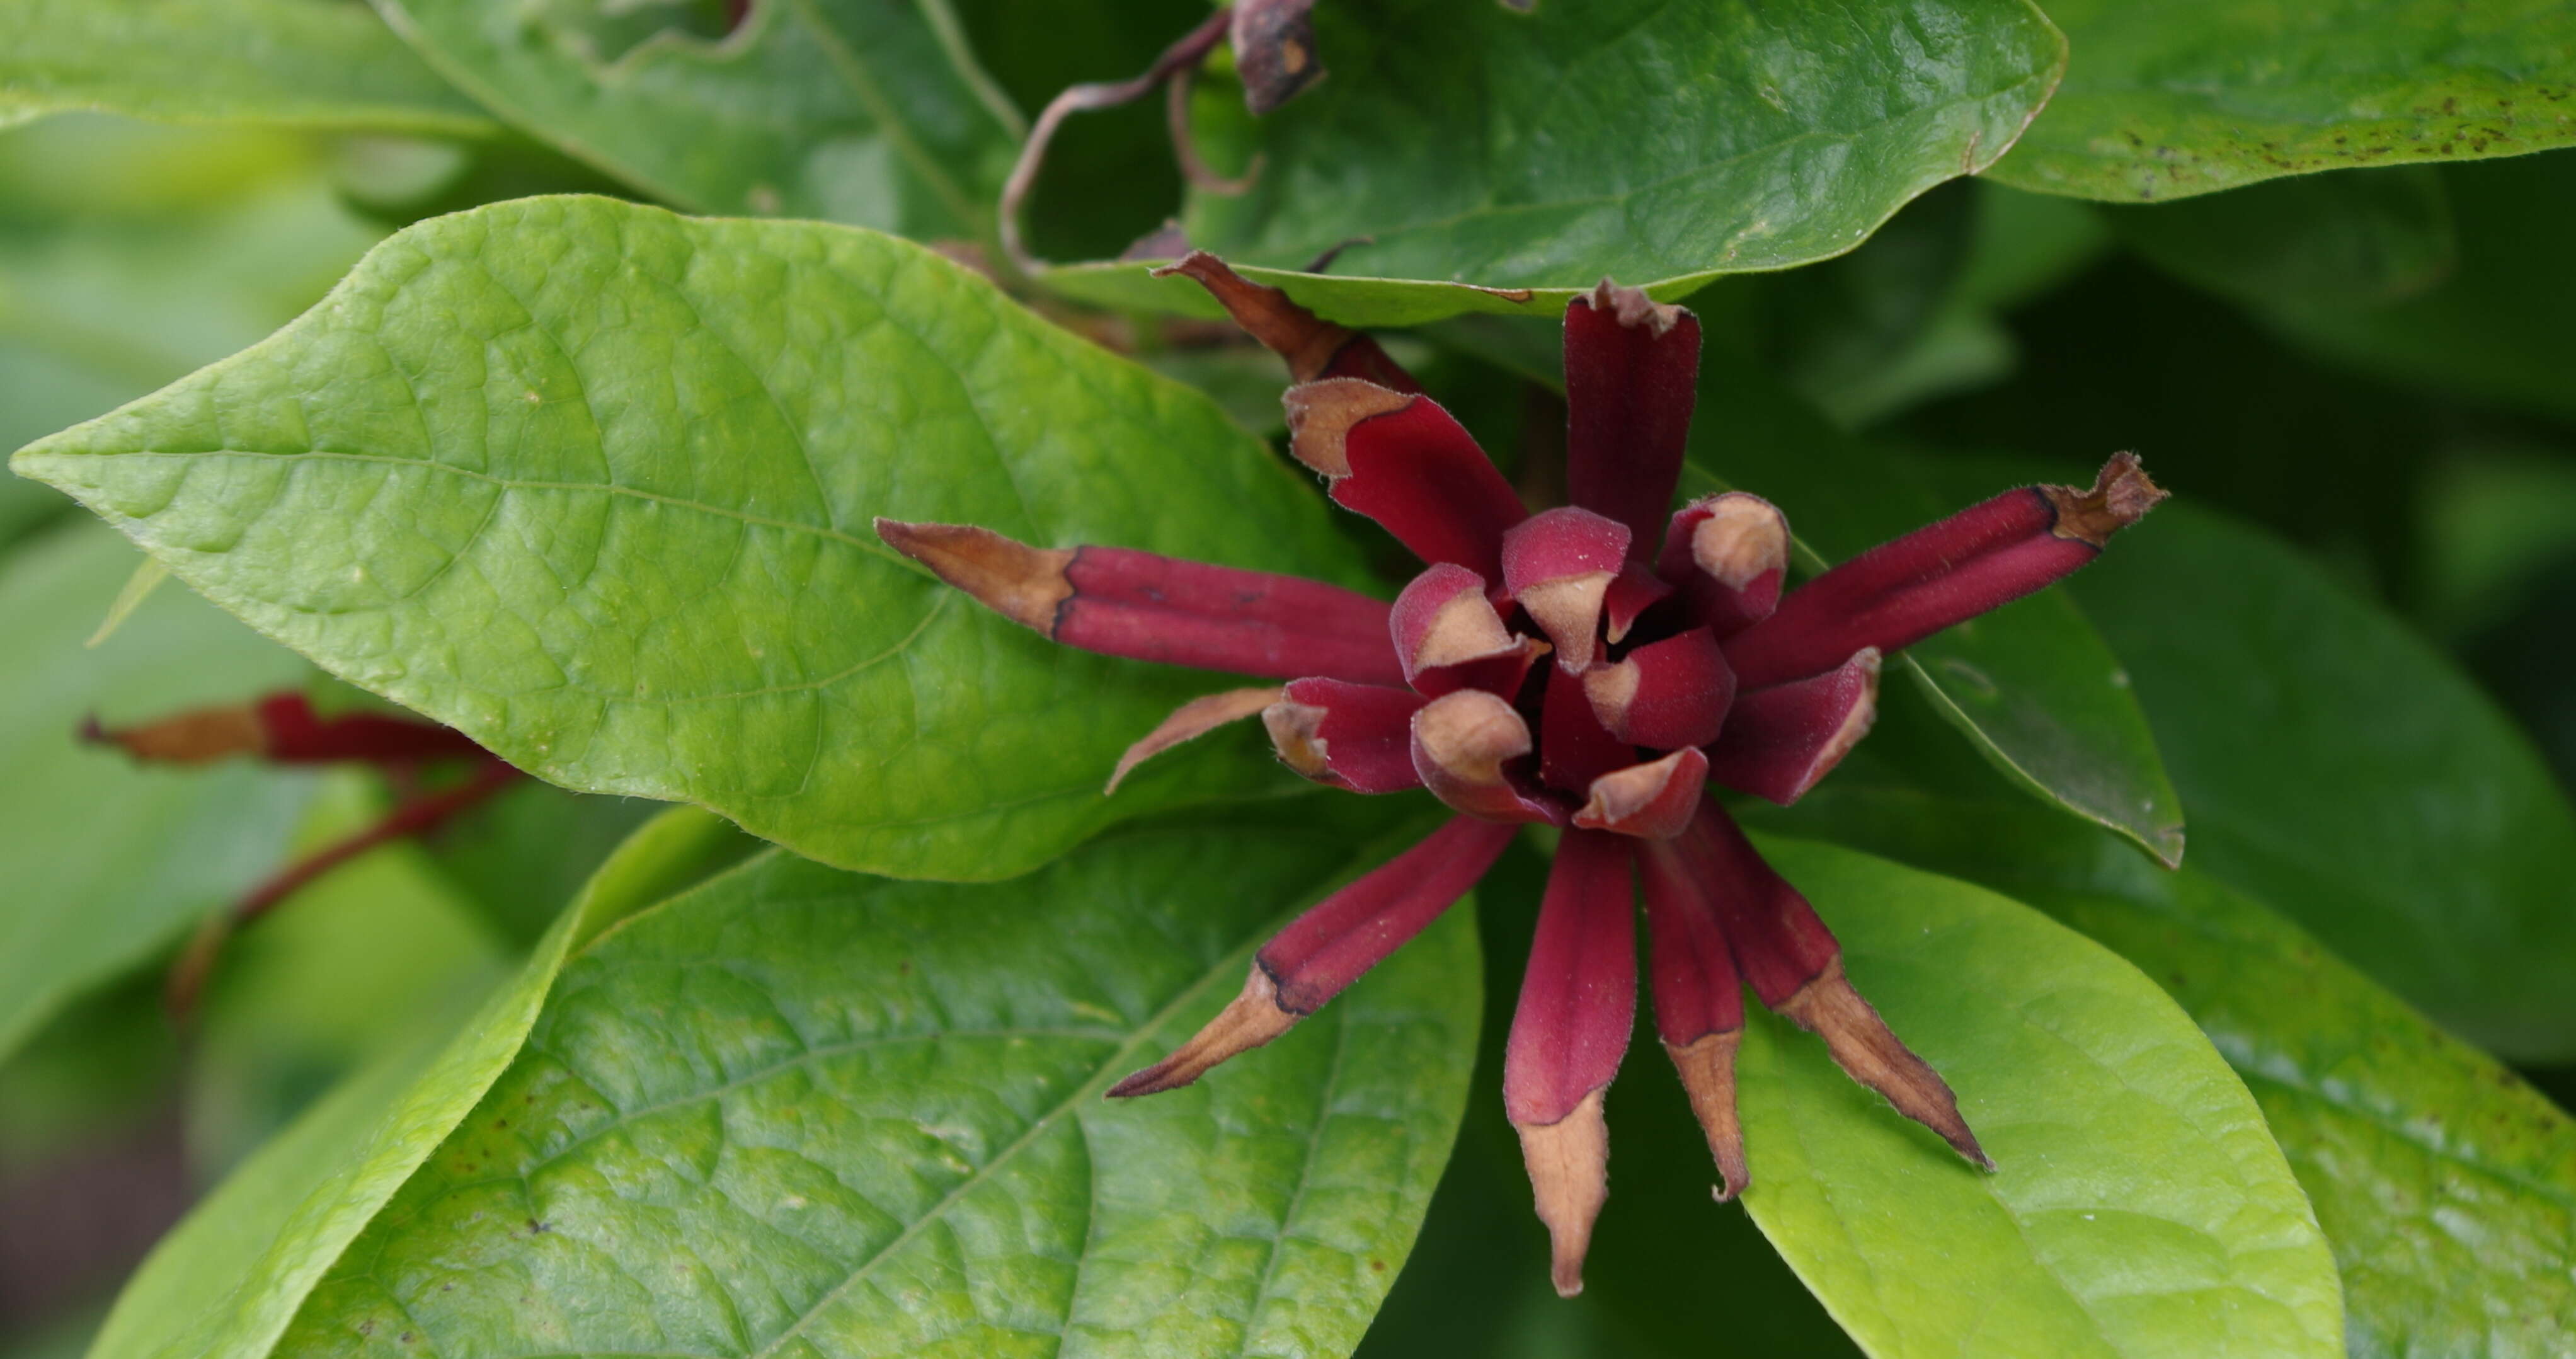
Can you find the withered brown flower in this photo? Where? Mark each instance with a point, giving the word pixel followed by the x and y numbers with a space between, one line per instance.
pixel 1592 667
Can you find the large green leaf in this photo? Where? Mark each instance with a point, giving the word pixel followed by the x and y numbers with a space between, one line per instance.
pixel 226 1281
pixel 804 1109
pixel 2338 768
pixel 594 484
pixel 2032 684
pixel 867 111
pixel 2445 1184
pixel 106 862
pixel 1656 142
pixel 2140 1206
pixel 2188 96
pixel 307 63
pixel 2495 330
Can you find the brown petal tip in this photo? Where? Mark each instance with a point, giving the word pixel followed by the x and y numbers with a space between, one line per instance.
pixel 1306 341
pixel 1250 1020
pixel 1274 51
pixel 2122 494
pixel 1569 1170
pixel 1190 721
pixel 1871 1054
pixel 1707 1067
pixel 1296 733
pixel 1321 414
pixel 198 736
pixel 1653 801
pixel 1022 583
pixel 1633 308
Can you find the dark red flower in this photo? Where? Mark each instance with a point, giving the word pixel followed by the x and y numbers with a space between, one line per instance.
pixel 1591 667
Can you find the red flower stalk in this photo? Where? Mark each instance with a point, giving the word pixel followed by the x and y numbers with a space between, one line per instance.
pixel 1592 667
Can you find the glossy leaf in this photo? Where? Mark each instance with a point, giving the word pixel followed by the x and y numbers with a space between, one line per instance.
pixel 2032 684
pixel 2344 241
pixel 595 486
pixel 2494 330
pixel 1662 144
pixel 2169 100
pixel 106 863
pixel 2444 1184
pixel 307 63
pixel 2140 1206
pixel 805 1109
pixel 226 1281
pixel 2339 768
pixel 866 111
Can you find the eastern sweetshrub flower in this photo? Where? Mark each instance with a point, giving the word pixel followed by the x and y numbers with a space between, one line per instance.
pixel 1592 667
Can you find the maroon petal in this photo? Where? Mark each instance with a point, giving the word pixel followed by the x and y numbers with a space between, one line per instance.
pixel 1631 369
pixel 1574 748
pixel 1780 740
pixel 1149 608
pixel 1976 560
pixel 1793 963
pixel 1448 636
pixel 282 728
pixel 1652 801
pixel 1336 941
pixel 1353 736
pixel 1635 590
pixel 1665 695
pixel 1191 721
pixel 1699 1003
pixel 1402 461
pixel 1558 565
pixel 1313 348
pixel 1728 555
pixel 1577 1003
pixel 1461 745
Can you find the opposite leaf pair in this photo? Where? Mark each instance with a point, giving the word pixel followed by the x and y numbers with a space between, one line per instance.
pixel 1591 667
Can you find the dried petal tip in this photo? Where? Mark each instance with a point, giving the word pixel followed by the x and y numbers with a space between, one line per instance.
pixel 1633 308
pixel 1190 721
pixel 198 736
pixel 1022 583
pixel 1650 801
pixel 1274 51
pixel 1870 1053
pixel 1569 1170
pixel 2121 496
pixel 1353 736
pixel 1311 346
pixel 1707 1067
pixel 1252 1019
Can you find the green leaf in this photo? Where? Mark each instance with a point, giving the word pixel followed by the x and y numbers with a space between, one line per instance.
pixel 2399 1133
pixel 2339 768
pixel 106 862
pixel 2495 330
pixel 2032 685
pixel 2340 241
pixel 2189 96
pixel 2140 1206
pixel 866 111
pixel 304 63
pixel 1663 144
pixel 595 483
pixel 799 1108
pixel 226 1281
